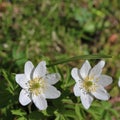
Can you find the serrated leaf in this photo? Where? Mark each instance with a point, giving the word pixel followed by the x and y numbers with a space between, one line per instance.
pixel 78 112
pixel 70 113
pixel 8 80
pixel 95 111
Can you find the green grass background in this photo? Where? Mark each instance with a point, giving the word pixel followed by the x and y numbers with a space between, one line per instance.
pixel 58 29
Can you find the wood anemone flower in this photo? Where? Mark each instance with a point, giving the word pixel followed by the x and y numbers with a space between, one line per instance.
pixel 90 83
pixel 37 85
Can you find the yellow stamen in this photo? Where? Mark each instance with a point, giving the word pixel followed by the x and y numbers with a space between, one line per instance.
pixel 89 85
pixel 36 86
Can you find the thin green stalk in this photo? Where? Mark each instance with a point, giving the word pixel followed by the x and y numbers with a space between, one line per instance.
pixel 29 107
pixel 82 57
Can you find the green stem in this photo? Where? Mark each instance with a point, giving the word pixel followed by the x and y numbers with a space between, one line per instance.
pixel 29 107
pixel 83 57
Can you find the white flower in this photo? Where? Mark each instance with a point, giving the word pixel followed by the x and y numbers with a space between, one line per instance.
pixel 37 85
pixel 119 82
pixel 90 83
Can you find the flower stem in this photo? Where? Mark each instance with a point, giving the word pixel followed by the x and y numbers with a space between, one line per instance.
pixel 29 107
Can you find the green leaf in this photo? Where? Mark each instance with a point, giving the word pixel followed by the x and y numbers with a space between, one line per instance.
pixel 11 88
pixel 78 112
pixel 36 115
pixel 70 113
pixel 5 95
pixel 69 106
pixel 60 117
pixel 89 27
pixel 57 117
pixel 18 112
pixel 114 112
pixel 50 111
pixel 70 83
pixel 68 101
pixel 95 113
pixel 21 118
pixel 107 116
pixel 115 91
pixel 18 56
pixel 67 79
pixel 83 57
pixel 96 110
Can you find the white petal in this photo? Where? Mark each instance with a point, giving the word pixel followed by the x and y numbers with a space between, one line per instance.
pixel 97 69
pixel 76 90
pixel 101 94
pixel 52 78
pixel 28 69
pixel 40 102
pixel 104 80
pixel 24 98
pixel 75 74
pixel 21 80
pixel 86 100
pixel 119 82
pixel 85 69
pixel 51 92
pixel 40 70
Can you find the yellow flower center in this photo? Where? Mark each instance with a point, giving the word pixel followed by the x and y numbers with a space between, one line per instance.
pixel 36 86
pixel 89 85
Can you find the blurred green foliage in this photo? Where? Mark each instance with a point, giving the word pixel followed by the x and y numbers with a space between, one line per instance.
pixel 58 29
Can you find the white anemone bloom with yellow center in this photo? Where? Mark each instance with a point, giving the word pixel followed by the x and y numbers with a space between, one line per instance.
pixel 90 83
pixel 37 85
